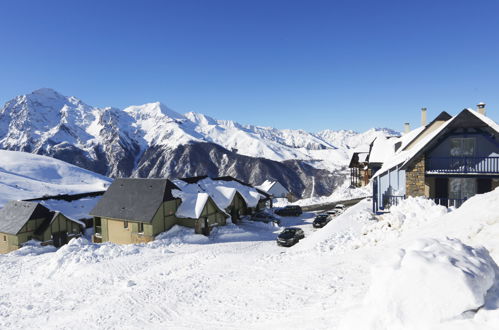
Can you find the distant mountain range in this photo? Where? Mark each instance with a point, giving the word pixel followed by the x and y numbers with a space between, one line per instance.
pixel 152 140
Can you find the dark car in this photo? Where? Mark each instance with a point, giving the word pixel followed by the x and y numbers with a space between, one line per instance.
pixel 321 220
pixel 290 210
pixel 265 217
pixel 290 236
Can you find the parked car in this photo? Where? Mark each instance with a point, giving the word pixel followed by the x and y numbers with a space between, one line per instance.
pixel 339 208
pixel 333 212
pixel 289 210
pixel 290 236
pixel 321 220
pixel 264 217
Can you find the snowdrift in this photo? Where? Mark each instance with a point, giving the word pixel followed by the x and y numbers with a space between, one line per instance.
pixel 424 284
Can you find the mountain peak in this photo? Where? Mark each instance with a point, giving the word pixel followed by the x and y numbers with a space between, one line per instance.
pixel 46 93
pixel 153 110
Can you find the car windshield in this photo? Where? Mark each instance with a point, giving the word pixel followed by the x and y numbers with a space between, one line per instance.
pixel 289 230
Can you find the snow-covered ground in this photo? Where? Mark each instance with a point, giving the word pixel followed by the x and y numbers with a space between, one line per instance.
pixel 420 267
pixel 24 176
pixel 344 192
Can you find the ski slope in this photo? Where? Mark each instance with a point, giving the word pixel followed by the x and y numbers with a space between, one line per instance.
pixel 24 176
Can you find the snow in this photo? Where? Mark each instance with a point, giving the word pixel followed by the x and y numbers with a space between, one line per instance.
pixel 435 272
pixel 77 209
pixel 26 176
pixel 342 193
pixel 35 121
pixel 266 185
pixel 404 286
pixel 222 192
pixel 192 204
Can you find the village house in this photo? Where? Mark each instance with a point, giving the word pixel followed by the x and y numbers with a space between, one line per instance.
pixel 276 190
pixel 256 199
pixel 360 174
pixel 21 221
pixel 227 198
pixel 448 160
pixel 136 210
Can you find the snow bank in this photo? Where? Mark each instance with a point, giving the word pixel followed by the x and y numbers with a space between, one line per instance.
pixel 429 282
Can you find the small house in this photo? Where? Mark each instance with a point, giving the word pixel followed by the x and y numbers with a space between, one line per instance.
pixel 199 211
pixel 255 198
pixel 135 211
pixel 21 221
pixel 275 189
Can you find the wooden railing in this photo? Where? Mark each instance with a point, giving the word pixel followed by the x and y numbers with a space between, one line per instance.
pixel 463 165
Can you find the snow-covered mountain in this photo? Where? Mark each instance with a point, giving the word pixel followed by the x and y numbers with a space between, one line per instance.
pixel 24 176
pixel 152 140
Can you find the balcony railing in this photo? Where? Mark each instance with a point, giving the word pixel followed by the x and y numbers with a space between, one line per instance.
pixel 449 202
pixel 463 165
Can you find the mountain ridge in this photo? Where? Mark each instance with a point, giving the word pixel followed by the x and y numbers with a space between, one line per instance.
pixel 124 143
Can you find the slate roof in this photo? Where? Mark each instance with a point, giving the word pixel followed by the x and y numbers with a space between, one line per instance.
pixel 15 214
pixel 134 199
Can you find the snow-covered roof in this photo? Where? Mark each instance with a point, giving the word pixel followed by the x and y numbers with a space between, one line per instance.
pixel 384 147
pixel 222 191
pixel 267 185
pixel 192 204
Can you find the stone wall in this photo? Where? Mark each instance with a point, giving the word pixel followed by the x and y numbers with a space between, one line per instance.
pixel 415 178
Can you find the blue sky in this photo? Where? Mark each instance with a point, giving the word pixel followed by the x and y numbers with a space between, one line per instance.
pixel 288 64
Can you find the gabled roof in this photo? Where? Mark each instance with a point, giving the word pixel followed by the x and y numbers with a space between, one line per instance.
pixel 15 214
pixel 48 221
pixel 193 204
pixel 134 199
pixel 229 178
pixel 465 119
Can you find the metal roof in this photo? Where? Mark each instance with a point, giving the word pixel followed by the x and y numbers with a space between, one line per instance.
pixel 134 199
pixel 15 214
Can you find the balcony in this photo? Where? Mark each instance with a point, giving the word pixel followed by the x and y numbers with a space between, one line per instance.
pixel 462 165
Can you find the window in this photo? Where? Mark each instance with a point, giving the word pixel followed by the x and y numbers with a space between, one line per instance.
pixel 141 227
pixel 125 224
pixel 4 238
pixel 462 188
pixel 462 147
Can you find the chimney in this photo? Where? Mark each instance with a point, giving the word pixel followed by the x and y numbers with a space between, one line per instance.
pixel 481 108
pixel 407 127
pixel 423 116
